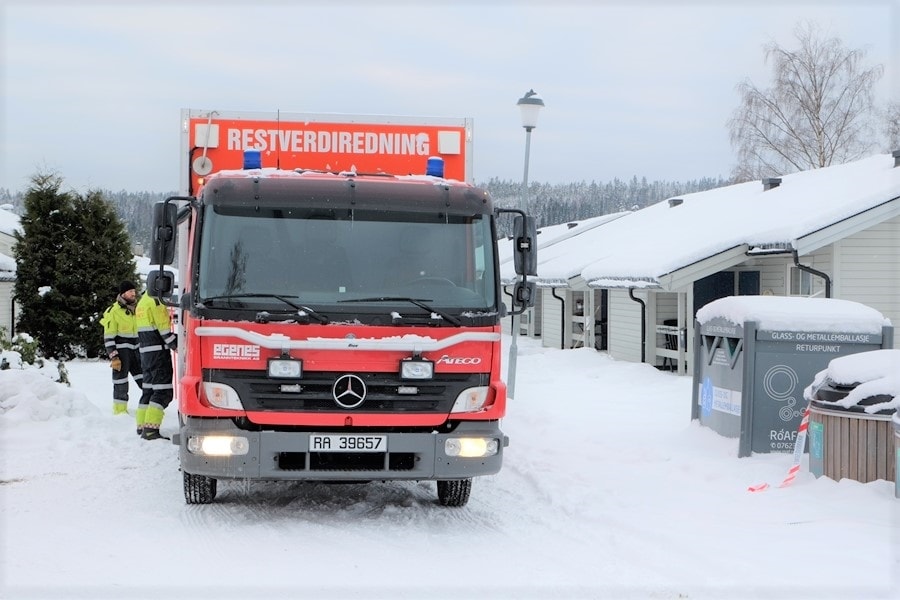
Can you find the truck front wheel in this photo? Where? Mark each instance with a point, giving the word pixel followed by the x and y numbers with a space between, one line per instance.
pixel 454 492
pixel 199 489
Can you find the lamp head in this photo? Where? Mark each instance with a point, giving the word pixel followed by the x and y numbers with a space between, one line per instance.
pixel 530 104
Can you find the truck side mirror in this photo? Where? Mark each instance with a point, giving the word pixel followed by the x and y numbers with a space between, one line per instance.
pixel 525 245
pixel 524 294
pixel 162 245
pixel 160 284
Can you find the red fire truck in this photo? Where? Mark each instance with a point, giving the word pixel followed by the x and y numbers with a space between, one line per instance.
pixel 339 305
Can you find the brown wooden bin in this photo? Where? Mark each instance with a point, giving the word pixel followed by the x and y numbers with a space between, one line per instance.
pixel 846 444
pixel 896 422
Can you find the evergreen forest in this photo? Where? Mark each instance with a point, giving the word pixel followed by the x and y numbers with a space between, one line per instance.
pixel 550 204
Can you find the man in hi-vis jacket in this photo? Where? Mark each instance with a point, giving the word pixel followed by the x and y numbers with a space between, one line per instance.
pixel 120 339
pixel 157 339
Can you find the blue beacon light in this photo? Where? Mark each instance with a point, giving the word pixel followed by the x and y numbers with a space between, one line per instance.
pixel 435 166
pixel 252 159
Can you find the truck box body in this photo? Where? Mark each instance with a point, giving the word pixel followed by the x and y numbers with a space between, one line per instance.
pixel 337 321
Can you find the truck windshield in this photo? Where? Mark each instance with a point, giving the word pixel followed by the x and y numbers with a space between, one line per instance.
pixel 346 260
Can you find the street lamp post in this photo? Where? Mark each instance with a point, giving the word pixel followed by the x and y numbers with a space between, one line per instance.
pixel 530 105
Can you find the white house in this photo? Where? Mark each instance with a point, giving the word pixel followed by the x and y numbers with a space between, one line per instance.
pixel 833 231
pixel 547 240
pixel 9 223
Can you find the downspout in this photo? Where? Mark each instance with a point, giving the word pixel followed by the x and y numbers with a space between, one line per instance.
pixel 812 271
pixel 643 324
pixel 562 318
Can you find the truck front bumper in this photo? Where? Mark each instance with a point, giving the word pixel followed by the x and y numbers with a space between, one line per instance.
pixel 281 455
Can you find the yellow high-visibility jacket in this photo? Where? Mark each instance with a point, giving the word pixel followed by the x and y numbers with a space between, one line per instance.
pixel 154 325
pixel 119 329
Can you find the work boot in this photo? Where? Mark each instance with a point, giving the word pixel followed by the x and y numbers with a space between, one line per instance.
pixel 120 408
pixel 139 417
pixel 152 420
pixel 152 433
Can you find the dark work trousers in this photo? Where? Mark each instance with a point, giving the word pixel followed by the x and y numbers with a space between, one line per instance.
pixel 157 364
pixel 131 364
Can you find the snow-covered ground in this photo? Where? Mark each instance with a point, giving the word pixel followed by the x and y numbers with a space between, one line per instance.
pixel 608 490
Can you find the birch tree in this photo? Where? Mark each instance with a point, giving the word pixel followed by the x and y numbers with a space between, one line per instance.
pixel 892 122
pixel 818 111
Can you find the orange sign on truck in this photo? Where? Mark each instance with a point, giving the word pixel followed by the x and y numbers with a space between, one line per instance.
pixel 332 143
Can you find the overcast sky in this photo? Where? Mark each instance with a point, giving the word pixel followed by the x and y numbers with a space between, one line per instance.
pixel 93 90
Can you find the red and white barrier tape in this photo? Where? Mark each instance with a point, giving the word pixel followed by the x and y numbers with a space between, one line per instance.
pixel 799 444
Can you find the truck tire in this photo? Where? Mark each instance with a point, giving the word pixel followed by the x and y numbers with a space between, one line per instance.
pixel 454 492
pixel 199 489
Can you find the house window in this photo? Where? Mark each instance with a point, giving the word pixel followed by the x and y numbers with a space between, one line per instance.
pixel 801 282
pixel 748 283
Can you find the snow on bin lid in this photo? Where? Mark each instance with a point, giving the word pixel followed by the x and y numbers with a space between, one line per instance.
pixel 779 313
pixel 875 373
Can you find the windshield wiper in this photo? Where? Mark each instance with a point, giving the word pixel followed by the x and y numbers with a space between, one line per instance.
pixel 263 316
pixel 420 302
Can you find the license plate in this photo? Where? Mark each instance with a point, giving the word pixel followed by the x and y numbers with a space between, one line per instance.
pixel 319 442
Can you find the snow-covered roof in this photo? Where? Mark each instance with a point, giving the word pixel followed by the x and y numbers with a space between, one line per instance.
pixel 550 244
pixel 7 263
pixel 640 248
pixel 9 221
pixel 670 235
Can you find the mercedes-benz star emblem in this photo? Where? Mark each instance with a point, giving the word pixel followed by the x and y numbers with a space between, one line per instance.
pixel 349 391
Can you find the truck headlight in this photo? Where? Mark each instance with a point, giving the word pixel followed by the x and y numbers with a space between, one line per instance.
pixel 218 445
pixel 222 396
pixel 471 447
pixel 470 400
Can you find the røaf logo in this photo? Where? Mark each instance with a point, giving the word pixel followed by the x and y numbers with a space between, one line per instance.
pixel 235 352
pixel 460 360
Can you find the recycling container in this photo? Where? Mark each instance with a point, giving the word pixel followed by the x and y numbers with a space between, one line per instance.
pixel 754 355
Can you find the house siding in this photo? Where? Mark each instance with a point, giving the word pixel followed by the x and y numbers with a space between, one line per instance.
pixel 772 276
pixel 625 325
pixel 7 287
pixel 820 260
pixel 6 307
pixel 867 268
pixel 551 324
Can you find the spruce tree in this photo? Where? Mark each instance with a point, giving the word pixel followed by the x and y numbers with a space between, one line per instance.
pixel 45 223
pixel 72 253
pixel 105 259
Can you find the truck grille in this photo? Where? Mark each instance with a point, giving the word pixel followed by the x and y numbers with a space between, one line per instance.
pixel 335 461
pixel 260 393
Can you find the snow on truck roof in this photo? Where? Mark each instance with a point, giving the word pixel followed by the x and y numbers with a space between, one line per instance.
pixel 273 172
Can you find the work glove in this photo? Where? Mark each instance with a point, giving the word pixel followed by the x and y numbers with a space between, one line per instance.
pixel 116 363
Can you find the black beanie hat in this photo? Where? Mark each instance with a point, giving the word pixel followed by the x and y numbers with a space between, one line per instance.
pixel 125 286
